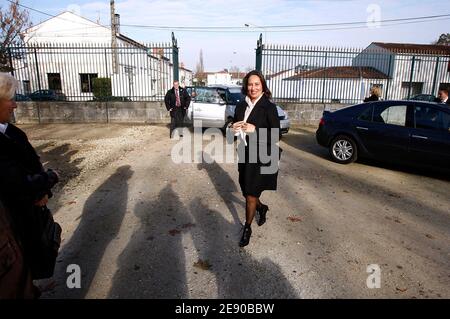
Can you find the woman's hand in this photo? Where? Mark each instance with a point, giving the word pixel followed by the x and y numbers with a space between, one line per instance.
pixel 42 202
pixel 237 126
pixel 248 128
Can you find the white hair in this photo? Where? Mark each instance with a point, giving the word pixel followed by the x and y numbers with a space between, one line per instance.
pixel 8 86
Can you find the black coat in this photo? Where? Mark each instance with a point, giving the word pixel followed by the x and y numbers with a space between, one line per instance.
pixel 22 180
pixel 264 116
pixel 372 98
pixel 170 100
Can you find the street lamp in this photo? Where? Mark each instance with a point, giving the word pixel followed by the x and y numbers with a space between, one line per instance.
pixel 257 26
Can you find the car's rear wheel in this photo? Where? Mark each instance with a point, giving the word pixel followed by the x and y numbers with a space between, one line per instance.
pixel 343 150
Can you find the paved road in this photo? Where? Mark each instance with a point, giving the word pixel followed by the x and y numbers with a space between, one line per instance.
pixel 140 226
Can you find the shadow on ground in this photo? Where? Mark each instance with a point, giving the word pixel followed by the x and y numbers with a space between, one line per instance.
pixel 100 223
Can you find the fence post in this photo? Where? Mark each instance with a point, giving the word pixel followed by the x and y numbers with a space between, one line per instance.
pixel 411 77
pixel 10 61
pixel 435 76
pixel 176 70
pixel 324 77
pixel 37 70
pixel 259 51
pixel 389 77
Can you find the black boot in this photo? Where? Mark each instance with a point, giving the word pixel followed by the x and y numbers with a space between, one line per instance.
pixel 245 239
pixel 261 212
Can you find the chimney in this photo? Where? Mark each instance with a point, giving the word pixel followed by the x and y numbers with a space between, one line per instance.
pixel 117 22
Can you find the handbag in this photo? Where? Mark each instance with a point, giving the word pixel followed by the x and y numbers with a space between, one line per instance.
pixel 45 245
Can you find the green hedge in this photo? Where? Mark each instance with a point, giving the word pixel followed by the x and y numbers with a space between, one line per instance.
pixel 101 87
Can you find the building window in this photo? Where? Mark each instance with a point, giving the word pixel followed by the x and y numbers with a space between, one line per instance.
pixel 416 88
pixel 26 87
pixel 86 81
pixel 444 86
pixel 54 81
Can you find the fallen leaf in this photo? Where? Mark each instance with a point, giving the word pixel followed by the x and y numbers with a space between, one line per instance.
pixel 401 289
pixel 71 203
pixel 429 236
pixel 174 232
pixel 202 264
pixel 189 225
pixel 294 219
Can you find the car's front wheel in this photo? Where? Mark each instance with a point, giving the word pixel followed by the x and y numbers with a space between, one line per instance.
pixel 343 150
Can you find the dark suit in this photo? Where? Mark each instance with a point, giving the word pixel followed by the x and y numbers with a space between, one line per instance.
pixel 178 112
pixel 23 181
pixel 263 116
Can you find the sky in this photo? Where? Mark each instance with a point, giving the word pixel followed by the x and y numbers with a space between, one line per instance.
pixel 226 49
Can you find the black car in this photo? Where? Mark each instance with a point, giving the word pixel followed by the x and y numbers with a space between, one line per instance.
pixel 425 97
pixel 47 95
pixel 397 131
pixel 22 97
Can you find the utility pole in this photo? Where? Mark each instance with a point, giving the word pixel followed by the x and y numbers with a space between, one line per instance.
pixel 114 38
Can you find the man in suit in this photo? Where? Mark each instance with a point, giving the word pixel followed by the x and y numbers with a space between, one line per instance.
pixel 443 96
pixel 177 101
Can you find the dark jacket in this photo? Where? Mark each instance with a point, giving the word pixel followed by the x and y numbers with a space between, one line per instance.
pixel 15 276
pixel 372 98
pixel 264 116
pixel 23 181
pixel 170 99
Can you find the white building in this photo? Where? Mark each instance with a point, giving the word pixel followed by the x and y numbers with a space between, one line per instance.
pixel 426 67
pixel 400 70
pixel 67 52
pixel 325 85
pixel 218 78
pixel 186 76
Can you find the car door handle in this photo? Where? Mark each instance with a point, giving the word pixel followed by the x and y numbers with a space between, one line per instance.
pixel 198 110
pixel 420 137
pixel 362 128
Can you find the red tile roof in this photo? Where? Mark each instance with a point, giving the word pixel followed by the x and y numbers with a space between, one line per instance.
pixel 341 72
pixel 415 48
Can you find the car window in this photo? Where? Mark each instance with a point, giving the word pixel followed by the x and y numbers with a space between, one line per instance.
pixel 430 118
pixel 394 115
pixel 206 95
pixel 366 115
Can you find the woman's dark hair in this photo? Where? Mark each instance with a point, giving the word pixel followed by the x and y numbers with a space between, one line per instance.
pixel 265 89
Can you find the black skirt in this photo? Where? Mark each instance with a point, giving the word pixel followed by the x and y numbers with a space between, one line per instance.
pixel 252 182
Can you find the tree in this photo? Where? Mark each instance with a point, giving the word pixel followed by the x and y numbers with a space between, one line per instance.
pixel 200 67
pixel 444 39
pixel 13 21
pixel 200 70
pixel 235 69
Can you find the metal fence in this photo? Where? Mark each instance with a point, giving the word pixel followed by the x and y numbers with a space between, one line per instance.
pixel 85 72
pixel 345 75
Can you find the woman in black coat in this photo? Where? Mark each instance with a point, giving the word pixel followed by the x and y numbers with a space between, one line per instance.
pixel 257 123
pixel 375 94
